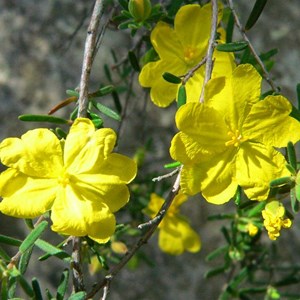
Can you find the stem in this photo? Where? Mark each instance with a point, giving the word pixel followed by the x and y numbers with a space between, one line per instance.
pixel 90 43
pixel 211 46
pixel 78 284
pixel 256 56
pixel 143 240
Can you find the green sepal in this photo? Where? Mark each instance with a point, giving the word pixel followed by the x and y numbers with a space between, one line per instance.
pixel 255 13
pixel 171 78
pixel 281 181
pixel 106 111
pixel 33 236
pixel 9 240
pixel 63 285
pixel 42 118
pixel 172 165
pixel 232 47
pixel 181 96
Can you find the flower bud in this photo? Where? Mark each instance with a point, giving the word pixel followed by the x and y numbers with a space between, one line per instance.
pixel 140 9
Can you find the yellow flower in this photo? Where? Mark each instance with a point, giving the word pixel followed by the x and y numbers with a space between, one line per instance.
pixel 229 140
pixel 252 229
pixel 175 233
pixel 274 220
pixel 79 180
pixel 179 50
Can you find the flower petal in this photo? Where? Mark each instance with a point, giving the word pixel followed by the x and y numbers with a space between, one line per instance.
pixel 256 166
pixel 73 214
pixel 162 92
pixel 37 153
pixel 269 122
pixel 192 25
pixel 154 205
pixel 25 197
pixel 85 147
pixel 203 133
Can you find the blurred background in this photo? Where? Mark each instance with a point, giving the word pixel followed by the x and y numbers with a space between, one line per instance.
pixel 41 53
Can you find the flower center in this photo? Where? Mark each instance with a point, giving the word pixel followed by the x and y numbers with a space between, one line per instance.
pixel 236 138
pixel 64 179
pixel 190 54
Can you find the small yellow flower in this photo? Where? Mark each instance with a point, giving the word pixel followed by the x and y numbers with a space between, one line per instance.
pixel 252 229
pixel 175 233
pixel 274 219
pixel 80 180
pixel 180 49
pixel 229 140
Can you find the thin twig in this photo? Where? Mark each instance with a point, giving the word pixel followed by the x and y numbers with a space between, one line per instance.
pixel 159 178
pixel 256 56
pixel 106 288
pixel 144 239
pixel 78 284
pixel 210 48
pixel 90 43
pixel 191 72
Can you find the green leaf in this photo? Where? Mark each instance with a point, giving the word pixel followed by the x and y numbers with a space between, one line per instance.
pixel 108 89
pixel 72 93
pixel 106 111
pixel 294 201
pixel 36 289
pixel 33 236
pixel 24 260
pixel 232 47
pixel 171 78
pixel 229 29
pixel 49 295
pixel 255 13
pixel 9 240
pixel 217 252
pixel 78 296
pixel 60 133
pixel 123 3
pixel 107 73
pixel 26 286
pixel 256 210
pixel 292 155
pixel 4 255
pixel 97 120
pixel 29 223
pixel 172 165
pixel 51 250
pixel 117 102
pixel 134 61
pixel 215 271
pixel 181 97
pixel 63 285
pixel 42 118
pixel 243 274
pixel 4 289
pixel 295 113
pixel 281 181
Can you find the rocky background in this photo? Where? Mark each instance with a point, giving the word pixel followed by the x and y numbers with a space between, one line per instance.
pixel 40 57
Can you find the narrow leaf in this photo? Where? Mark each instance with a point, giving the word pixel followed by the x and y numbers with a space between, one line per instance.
pixel 295 113
pixel 102 91
pixel 50 249
pixel 292 155
pixel 229 29
pixel 256 210
pixel 255 13
pixel 217 252
pixel 4 255
pixel 78 296
pixel 9 240
pixel 33 236
pixel 60 133
pixel 215 272
pixel 42 118
pixel 281 181
pixel 36 289
pixel 107 111
pixel 24 260
pixel 171 78
pixel 117 102
pixel 26 286
pixel 239 278
pixel 29 223
pixel 232 47
pixel 134 61
pixel 63 285
pixel 4 289
pixel 294 201
pixel 72 93
pixel 172 165
pixel 181 97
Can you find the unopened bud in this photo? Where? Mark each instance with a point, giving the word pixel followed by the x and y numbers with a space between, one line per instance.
pixel 140 9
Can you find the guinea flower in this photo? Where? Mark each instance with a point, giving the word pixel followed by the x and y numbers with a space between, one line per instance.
pixel 180 49
pixel 274 219
pixel 80 180
pixel 175 234
pixel 229 140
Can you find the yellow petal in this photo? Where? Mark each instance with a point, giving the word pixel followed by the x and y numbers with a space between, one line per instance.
pixel 73 214
pixel 191 240
pixel 85 147
pixel 256 167
pixel 25 197
pixel 269 122
pixel 203 133
pixel 192 25
pixel 166 42
pixel 154 205
pixel 241 91
pixel 37 153
pixel 162 92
